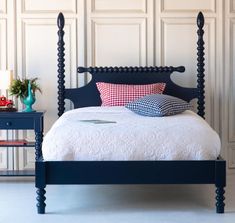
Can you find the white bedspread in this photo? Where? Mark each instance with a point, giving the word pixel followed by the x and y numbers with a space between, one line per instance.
pixel 184 136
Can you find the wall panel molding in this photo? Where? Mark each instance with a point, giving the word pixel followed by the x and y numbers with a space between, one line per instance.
pixel 49 6
pixel 120 6
pixel 3 65
pixel 3 6
pixel 3 45
pixel 70 28
pixel 37 35
pixel 231 6
pixel 183 6
pixel 7 56
pixel 124 51
pixel 27 157
pixel 231 156
pixel 229 84
pixel 231 103
pixel 3 159
pixel 180 30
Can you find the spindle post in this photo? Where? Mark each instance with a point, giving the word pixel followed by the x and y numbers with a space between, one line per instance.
pixel 61 65
pixel 200 66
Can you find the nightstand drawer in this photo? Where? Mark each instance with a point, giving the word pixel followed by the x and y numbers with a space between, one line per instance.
pixel 17 123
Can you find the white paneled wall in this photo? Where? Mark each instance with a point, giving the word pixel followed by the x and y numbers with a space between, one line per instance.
pixel 37 54
pixel 7 52
pixel 229 87
pixel 188 5
pixel 45 6
pixel 3 57
pixel 112 6
pixel 122 33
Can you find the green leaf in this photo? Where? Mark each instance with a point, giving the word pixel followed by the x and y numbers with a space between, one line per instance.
pixel 19 88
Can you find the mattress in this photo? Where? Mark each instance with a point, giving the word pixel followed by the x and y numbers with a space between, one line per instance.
pixel 115 133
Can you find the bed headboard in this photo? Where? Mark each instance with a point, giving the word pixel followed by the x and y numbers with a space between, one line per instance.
pixel 89 95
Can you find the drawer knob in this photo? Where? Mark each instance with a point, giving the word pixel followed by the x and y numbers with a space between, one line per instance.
pixel 8 123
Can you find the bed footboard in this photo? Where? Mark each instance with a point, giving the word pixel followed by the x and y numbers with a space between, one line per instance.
pixel 131 172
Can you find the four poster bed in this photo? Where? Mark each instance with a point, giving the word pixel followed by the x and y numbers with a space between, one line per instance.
pixel 50 172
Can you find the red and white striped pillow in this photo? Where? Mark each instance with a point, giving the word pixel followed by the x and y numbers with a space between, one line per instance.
pixel 121 94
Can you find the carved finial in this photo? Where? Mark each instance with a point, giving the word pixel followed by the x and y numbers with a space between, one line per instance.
pixel 60 21
pixel 180 69
pixel 81 70
pixel 200 20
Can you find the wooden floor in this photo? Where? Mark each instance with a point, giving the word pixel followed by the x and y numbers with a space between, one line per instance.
pixel 100 204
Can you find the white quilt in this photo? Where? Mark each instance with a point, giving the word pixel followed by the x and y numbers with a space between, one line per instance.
pixel 129 136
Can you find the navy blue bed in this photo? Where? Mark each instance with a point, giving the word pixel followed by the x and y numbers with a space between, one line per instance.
pixel 129 172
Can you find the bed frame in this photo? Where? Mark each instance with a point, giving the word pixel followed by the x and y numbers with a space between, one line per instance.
pixel 129 172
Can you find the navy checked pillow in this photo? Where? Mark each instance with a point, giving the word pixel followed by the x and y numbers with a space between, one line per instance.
pixel 158 105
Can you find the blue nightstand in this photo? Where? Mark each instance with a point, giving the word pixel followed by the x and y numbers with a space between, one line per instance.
pixel 23 121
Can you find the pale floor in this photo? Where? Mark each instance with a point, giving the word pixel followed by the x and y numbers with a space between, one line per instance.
pixel 96 204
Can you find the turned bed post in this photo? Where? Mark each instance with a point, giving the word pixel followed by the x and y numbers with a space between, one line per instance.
pixel 40 166
pixel 40 172
pixel 220 184
pixel 200 66
pixel 220 167
pixel 61 64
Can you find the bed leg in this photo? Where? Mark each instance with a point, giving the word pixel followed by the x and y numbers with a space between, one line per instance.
pixel 220 183
pixel 220 200
pixel 41 200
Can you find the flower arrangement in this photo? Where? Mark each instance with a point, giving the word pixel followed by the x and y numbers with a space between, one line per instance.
pixel 19 87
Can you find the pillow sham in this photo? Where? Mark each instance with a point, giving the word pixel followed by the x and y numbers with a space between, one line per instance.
pixel 158 105
pixel 121 94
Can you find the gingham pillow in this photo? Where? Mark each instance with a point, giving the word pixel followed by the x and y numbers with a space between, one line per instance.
pixel 158 105
pixel 121 94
